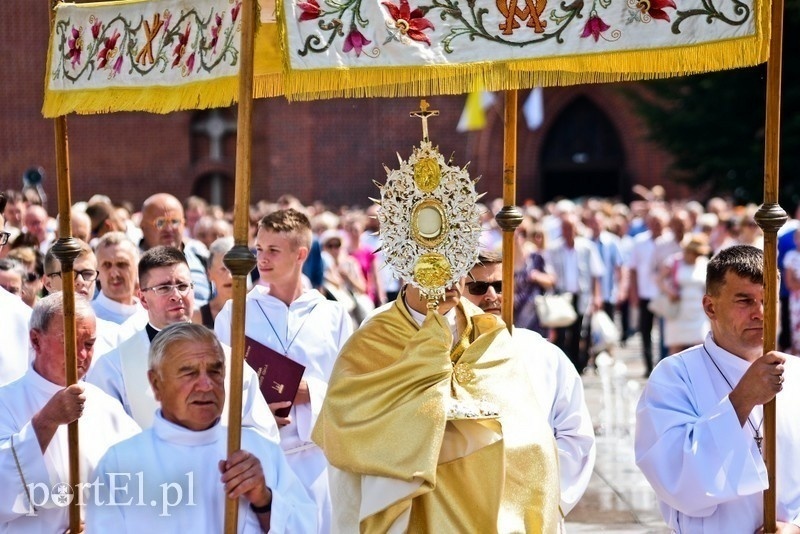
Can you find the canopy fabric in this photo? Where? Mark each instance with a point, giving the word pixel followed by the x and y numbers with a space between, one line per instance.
pixel 166 55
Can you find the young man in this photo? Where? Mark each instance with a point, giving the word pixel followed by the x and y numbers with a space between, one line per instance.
pixel 430 425
pixel 33 423
pixel 186 450
pixel 302 325
pixel 166 294
pixel 699 422
pixel 554 380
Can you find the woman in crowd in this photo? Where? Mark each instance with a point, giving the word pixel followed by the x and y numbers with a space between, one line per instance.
pixel 531 276
pixel 222 282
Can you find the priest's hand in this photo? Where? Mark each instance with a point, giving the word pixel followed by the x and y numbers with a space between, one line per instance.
pixel 274 406
pixel 243 476
pixel 783 528
pixel 63 408
pixel 759 385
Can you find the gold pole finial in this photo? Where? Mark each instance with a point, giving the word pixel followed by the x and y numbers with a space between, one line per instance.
pixel 423 113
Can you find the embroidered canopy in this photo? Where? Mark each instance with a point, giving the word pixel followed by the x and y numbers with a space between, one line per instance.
pixel 166 55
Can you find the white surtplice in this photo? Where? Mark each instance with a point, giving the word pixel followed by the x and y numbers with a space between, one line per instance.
pixel 704 466
pixel 167 480
pixel 310 331
pixel 28 477
pixel 15 355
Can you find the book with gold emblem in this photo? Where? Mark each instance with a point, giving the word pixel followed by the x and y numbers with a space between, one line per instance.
pixel 278 376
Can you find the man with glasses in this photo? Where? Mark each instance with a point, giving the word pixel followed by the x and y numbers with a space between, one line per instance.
pixel 14 316
pixel 554 380
pixel 166 293
pixel 163 223
pixel 85 269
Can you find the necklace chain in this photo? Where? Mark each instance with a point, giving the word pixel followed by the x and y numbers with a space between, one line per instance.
pixel 757 437
pixel 280 341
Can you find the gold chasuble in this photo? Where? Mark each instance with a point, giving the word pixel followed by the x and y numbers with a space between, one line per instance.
pixel 401 466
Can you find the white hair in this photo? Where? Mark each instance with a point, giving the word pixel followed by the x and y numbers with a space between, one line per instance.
pixel 175 333
pixel 53 306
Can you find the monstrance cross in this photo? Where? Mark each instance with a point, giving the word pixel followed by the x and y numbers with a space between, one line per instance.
pixel 423 113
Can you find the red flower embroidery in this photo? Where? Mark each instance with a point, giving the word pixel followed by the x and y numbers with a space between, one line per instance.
pixel 180 48
pixel 118 64
pixel 235 11
pixel 189 65
pixel 96 28
pixel 109 50
pixel 655 8
pixel 75 46
pixel 310 10
pixel 355 40
pixel 215 32
pixel 410 23
pixel 594 27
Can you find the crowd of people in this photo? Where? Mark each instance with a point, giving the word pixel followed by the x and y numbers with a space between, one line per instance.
pixel 362 446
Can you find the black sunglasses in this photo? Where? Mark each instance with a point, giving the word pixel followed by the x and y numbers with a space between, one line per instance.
pixel 480 288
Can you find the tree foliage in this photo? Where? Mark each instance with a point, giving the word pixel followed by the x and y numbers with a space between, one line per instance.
pixel 713 125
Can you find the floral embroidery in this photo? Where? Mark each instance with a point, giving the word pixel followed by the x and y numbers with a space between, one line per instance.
pixel 410 23
pixel 96 28
pixel 310 10
pixel 235 11
pixel 594 27
pixel 355 40
pixel 109 50
pixel 655 8
pixel 75 46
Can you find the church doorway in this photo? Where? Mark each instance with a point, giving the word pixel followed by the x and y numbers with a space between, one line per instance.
pixel 582 155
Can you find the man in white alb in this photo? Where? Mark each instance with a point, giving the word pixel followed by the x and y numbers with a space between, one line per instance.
pixel 186 451
pixel 302 325
pixel 36 410
pixel 166 294
pixel 14 315
pixel 699 422
pixel 117 258
pixel 554 380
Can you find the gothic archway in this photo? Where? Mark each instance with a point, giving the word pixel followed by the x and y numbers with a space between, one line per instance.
pixel 582 155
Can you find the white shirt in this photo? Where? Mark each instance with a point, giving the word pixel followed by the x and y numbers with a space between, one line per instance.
pixel 102 424
pixel 641 259
pixel 15 356
pixel 559 390
pixel 703 465
pixel 311 331
pixel 186 461
pixel 122 373
pixel 116 312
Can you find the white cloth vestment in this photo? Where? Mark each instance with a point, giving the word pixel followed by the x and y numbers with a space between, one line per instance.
pixel 122 373
pixel 312 330
pixel 102 424
pixel 167 480
pixel 704 466
pixel 15 354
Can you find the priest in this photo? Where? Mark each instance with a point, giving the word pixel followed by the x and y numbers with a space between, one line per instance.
pixel 430 427
pixel 33 423
pixel 175 476
pixel 699 422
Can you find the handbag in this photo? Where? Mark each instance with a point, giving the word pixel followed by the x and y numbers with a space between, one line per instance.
pixel 605 333
pixel 555 310
pixel 663 306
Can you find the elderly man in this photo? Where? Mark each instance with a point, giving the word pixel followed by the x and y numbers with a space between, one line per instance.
pixel 166 294
pixel 85 272
pixel 431 425
pixel 185 450
pixel 33 422
pixel 117 258
pixel 699 422
pixel 14 316
pixel 554 380
pixel 163 223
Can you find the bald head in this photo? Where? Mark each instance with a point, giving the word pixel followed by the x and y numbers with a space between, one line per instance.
pixel 162 221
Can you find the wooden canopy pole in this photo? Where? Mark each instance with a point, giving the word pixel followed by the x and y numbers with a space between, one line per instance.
pixel 770 218
pixel 239 260
pixel 510 217
pixel 66 249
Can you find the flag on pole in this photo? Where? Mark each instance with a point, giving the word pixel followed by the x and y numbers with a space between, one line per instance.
pixel 533 109
pixel 473 117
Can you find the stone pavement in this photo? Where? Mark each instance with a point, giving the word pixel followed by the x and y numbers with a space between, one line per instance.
pixel 618 499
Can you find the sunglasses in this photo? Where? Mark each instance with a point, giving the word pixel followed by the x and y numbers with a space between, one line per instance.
pixel 162 222
pixel 480 288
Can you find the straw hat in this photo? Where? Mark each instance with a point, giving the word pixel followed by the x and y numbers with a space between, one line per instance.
pixel 698 244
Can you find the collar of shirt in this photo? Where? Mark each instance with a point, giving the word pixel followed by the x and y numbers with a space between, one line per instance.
pixel 450 317
pixel 172 433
